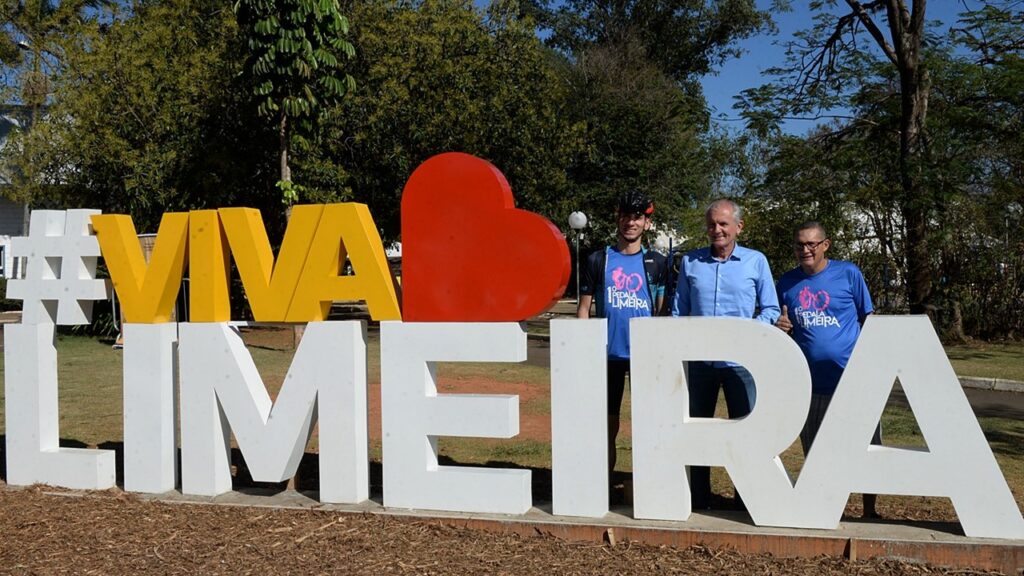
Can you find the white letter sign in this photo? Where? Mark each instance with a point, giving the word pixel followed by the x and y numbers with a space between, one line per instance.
pixel 579 409
pixel 220 385
pixel 197 381
pixel 59 287
pixel 957 464
pixel 413 415
pixel 666 438
pixel 34 454
pixel 150 402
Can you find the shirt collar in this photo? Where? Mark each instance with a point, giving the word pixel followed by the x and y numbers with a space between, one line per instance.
pixel 738 252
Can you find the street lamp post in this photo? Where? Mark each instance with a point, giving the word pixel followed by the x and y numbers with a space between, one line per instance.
pixel 1012 211
pixel 578 221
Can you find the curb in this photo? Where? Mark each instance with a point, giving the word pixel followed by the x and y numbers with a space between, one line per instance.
pixel 997 384
pixel 974 382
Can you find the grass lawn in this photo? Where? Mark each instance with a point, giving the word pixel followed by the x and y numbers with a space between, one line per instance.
pixel 1003 360
pixel 91 412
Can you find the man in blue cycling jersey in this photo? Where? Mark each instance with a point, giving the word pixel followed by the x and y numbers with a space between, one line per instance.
pixel 824 304
pixel 622 282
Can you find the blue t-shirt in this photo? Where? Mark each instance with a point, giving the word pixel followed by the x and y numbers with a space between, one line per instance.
pixel 626 295
pixel 826 310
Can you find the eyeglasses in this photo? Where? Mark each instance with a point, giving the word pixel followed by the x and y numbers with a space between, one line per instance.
pixel 812 246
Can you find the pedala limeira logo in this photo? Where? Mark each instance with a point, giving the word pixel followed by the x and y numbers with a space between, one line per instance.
pixel 473 267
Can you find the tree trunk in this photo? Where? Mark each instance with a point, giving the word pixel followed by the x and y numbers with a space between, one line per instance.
pixel 286 172
pixel 907 30
pixel 956 329
pixel 286 176
pixel 915 216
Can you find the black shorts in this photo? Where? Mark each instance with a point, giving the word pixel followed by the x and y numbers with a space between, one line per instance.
pixel 616 384
pixel 819 406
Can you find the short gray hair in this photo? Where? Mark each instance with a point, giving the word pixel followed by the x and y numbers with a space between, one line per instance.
pixel 811 225
pixel 737 212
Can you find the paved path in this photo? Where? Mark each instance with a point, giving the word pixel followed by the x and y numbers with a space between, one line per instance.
pixel 985 402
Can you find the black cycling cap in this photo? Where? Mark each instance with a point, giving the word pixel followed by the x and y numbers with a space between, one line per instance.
pixel 636 202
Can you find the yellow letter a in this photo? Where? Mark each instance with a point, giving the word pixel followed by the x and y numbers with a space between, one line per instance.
pixel 345 230
pixel 147 293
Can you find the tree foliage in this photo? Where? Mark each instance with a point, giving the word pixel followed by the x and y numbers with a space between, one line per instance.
pixel 33 41
pixel 632 68
pixel 641 131
pixel 160 108
pixel 827 67
pixel 683 38
pixel 848 175
pixel 150 116
pixel 34 35
pixel 297 50
pixel 439 76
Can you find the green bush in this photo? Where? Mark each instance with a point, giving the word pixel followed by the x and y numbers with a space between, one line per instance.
pixel 7 305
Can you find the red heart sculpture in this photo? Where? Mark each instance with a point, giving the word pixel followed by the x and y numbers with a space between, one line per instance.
pixel 468 255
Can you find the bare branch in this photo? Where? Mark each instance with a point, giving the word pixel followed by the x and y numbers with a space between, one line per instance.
pixel 861 12
pixel 812 118
pixel 824 59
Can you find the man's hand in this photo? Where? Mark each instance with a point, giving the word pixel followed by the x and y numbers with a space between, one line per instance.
pixel 783 323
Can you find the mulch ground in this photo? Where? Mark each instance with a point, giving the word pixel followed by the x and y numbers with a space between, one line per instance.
pixel 113 533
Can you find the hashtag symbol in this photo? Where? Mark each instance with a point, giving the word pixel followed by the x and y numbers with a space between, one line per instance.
pixel 60 282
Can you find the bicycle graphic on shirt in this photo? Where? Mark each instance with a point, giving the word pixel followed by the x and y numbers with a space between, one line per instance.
pixel 627 282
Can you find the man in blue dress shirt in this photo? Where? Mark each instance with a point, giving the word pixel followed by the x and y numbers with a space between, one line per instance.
pixel 724 279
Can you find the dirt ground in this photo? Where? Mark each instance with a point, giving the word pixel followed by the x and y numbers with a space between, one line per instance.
pixel 114 533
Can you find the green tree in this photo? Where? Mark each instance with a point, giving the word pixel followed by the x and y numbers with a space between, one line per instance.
pixel 641 132
pixel 847 174
pixel 150 115
pixel 840 182
pixel 977 115
pixel 684 38
pixel 827 65
pixel 296 54
pixel 633 67
pixel 33 39
pixel 438 76
pixel 32 47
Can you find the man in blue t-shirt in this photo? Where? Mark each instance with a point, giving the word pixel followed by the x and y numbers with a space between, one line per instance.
pixel 622 282
pixel 824 304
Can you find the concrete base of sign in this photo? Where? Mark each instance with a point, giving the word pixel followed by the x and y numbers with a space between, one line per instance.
pixel 937 543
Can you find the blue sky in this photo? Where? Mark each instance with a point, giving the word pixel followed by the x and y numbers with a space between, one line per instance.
pixel 763 52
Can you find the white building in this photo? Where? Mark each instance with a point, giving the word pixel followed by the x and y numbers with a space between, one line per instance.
pixel 12 215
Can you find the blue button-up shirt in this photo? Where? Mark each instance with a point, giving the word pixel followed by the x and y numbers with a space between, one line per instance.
pixel 734 287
